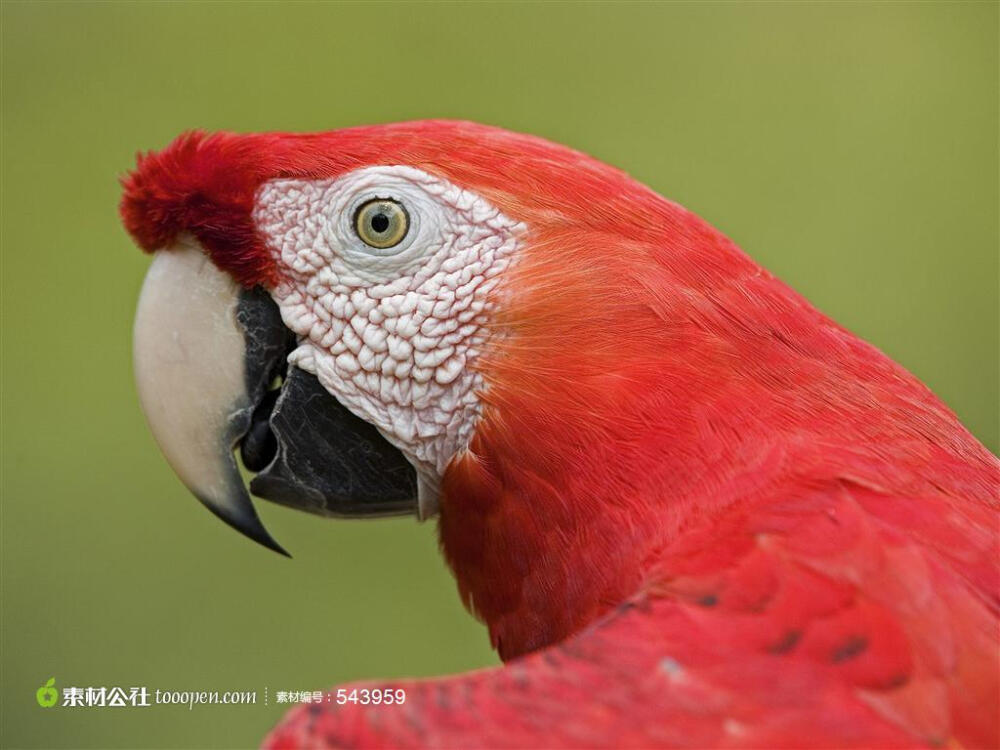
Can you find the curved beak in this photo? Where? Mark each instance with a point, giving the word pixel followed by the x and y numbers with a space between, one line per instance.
pixel 194 382
pixel 206 354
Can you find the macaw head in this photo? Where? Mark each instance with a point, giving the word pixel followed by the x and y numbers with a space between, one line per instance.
pixel 446 316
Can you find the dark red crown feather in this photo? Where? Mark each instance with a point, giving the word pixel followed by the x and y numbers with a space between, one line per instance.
pixel 204 185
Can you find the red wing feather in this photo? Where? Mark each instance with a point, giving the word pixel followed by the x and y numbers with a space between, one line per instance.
pixel 823 625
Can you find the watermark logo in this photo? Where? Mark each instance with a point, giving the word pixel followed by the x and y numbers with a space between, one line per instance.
pixel 116 696
pixel 47 695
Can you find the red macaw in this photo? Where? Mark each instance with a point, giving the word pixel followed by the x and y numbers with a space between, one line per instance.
pixel 692 510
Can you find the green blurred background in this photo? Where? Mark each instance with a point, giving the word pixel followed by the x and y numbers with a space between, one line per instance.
pixel 851 148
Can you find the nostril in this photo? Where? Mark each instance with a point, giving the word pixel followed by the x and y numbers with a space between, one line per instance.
pixel 259 446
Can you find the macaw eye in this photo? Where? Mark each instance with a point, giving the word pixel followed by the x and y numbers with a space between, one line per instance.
pixel 381 223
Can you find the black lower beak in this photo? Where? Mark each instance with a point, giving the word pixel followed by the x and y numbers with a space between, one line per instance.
pixel 325 460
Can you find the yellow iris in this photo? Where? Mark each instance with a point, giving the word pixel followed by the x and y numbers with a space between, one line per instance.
pixel 381 223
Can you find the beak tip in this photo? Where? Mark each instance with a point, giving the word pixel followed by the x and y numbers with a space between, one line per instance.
pixel 247 524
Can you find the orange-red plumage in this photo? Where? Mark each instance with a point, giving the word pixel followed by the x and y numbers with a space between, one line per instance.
pixel 696 512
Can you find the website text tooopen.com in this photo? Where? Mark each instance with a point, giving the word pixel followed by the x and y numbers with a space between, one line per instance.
pixel 190 698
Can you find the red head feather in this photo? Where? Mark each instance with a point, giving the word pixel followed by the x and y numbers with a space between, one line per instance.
pixel 205 184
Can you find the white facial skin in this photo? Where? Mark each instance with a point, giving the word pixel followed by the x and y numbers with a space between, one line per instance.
pixel 391 333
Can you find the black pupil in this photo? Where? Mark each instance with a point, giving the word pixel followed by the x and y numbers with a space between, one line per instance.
pixel 380 222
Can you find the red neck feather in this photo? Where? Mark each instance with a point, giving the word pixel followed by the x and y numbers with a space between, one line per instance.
pixel 642 384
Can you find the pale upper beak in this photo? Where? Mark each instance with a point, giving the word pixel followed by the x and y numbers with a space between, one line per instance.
pixel 206 353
